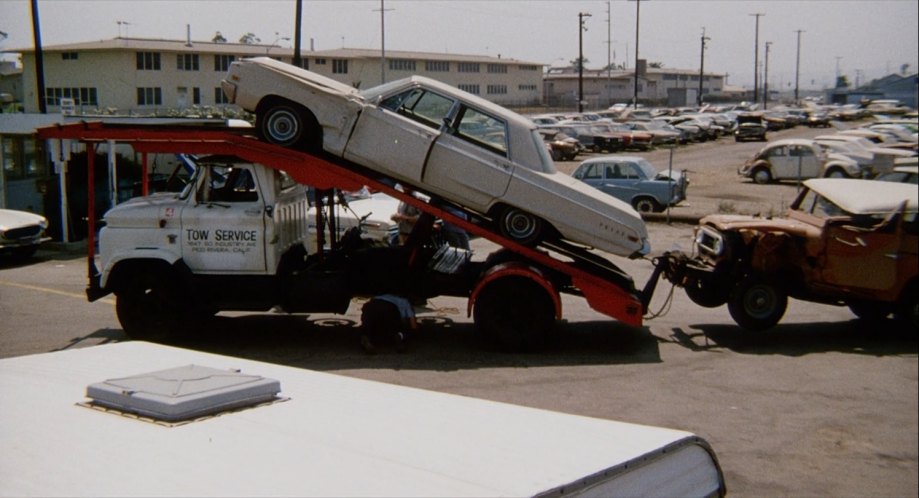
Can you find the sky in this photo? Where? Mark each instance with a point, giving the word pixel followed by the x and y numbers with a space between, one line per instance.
pixel 861 40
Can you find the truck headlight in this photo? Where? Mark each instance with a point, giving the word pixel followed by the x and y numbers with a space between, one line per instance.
pixel 709 241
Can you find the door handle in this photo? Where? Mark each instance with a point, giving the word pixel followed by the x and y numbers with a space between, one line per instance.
pixel 253 211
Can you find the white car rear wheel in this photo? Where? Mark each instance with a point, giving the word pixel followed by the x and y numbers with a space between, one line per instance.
pixel 520 226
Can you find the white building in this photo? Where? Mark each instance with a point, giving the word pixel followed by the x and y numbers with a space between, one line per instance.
pixel 144 76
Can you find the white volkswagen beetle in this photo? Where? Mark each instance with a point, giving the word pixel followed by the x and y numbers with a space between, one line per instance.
pixel 444 141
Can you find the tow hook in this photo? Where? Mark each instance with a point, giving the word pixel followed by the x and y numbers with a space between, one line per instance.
pixel 672 265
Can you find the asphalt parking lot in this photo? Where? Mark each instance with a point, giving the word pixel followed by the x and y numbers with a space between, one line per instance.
pixel 822 405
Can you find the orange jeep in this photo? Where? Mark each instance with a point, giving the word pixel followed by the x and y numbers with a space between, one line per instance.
pixel 843 241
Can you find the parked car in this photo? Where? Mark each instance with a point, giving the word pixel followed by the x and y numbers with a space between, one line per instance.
pixel 561 146
pixel 750 126
pixel 447 143
pixel 843 241
pixel 661 133
pixel 634 139
pixel 901 174
pixel 884 157
pixel 795 159
pixel 817 119
pixel 21 233
pixel 634 180
pixel 598 138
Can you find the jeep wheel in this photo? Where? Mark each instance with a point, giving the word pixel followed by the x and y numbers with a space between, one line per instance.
pixel 520 226
pixel 706 294
pixel 515 314
pixel 871 311
pixel 756 304
pixel 149 307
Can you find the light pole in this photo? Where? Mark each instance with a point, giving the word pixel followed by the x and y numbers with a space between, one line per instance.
pixel 798 64
pixel 637 15
pixel 581 29
pixel 756 60
pixel 766 78
pixel 702 67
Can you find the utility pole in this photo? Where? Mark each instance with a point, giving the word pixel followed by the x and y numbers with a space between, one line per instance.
pixel 766 78
pixel 297 59
pixel 609 59
pixel 756 60
pixel 581 29
pixel 383 10
pixel 637 16
pixel 702 66
pixel 798 64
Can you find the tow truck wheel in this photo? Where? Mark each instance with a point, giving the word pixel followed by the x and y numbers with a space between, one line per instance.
pixel 520 226
pixel 514 314
pixel 756 304
pixel 149 307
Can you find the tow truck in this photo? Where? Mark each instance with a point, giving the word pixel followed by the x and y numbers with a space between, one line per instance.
pixel 172 259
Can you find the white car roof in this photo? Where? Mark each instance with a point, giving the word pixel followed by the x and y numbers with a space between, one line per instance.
pixel 866 196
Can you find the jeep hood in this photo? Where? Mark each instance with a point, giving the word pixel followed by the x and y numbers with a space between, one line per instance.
pixel 733 223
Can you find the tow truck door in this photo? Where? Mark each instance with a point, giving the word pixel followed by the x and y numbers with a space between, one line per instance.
pixel 223 225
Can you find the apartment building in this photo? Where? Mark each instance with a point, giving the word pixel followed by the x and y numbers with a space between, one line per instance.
pixel 132 76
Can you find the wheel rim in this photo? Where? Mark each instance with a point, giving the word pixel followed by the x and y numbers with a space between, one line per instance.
pixel 644 206
pixel 836 174
pixel 761 176
pixel 282 126
pixel 520 226
pixel 760 302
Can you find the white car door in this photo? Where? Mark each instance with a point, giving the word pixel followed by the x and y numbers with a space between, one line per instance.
pixel 469 163
pixel 395 136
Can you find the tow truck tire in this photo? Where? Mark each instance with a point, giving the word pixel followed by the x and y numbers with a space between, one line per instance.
pixel 515 314
pixel 149 307
pixel 757 304
pixel 521 226
pixel 287 124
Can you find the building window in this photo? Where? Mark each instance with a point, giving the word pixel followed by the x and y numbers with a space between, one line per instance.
pixel 401 65
pixel 497 68
pixel 320 62
pixel 70 56
pixel 22 158
pixel 473 89
pixel 196 96
pixel 222 62
pixel 468 67
pixel 496 89
pixel 80 96
pixel 529 67
pixel 437 66
pixel 340 66
pixel 148 61
pixel 187 62
pixel 220 97
pixel 527 88
pixel 150 96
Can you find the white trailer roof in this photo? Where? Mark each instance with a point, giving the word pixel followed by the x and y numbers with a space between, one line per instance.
pixel 333 436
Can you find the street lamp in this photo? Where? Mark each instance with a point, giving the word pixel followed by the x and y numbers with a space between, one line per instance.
pixel 275 42
pixel 581 29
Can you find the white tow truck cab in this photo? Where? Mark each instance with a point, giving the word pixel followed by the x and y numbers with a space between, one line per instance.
pixel 86 422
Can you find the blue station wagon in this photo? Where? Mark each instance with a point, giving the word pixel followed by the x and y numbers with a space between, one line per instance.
pixel 634 180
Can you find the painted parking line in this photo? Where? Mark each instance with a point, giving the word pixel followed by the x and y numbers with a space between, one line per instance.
pixel 52 291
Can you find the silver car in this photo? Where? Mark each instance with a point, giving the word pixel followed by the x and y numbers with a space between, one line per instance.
pixel 445 142
pixel 21 232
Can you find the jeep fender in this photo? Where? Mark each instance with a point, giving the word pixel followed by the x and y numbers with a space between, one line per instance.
pixel 516 269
